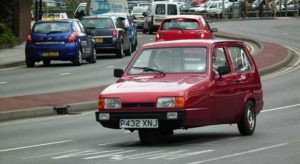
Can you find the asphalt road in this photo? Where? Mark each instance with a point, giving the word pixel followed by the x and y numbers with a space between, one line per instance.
pixel 80 139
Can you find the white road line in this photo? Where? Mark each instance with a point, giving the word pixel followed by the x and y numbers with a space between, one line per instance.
pixel 191 154
pixel 3 82
pixel 112 155
pixel 32 146
pixel 109 143
pixel 64 74
pixel 111 66
pixel 239 154
pixel 279 108
pixel 45 155
pixel 85 153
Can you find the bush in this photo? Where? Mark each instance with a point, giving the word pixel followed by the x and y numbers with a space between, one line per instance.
pixel 7 39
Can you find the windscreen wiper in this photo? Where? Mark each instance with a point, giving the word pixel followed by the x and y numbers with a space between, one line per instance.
pixel 52 32
pixel 147 69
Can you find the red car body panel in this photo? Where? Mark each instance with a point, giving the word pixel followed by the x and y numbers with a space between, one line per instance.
pixel 202 32
pixel 208 99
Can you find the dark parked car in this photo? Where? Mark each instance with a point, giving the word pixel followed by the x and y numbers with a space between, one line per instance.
pixel 183 84
pixel 59 40
pixel 109 32
pixel 131 29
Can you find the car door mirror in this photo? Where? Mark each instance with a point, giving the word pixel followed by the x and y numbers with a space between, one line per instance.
pixel 145 14
pixel 223 70
pixel 214 30
pixel 118 72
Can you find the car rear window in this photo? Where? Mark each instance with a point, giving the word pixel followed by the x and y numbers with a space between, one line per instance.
pixel 182 24
pixel 174 60
pixel 51 27
pixel 172 9
pixel 160 9
pixel 101 23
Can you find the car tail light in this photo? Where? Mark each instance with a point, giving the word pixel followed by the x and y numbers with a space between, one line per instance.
pixel 72 37
pixel 159 36
pixel 115 33
pixel 29 39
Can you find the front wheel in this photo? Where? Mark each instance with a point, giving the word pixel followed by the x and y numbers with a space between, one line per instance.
pixel 129 50
pixel 247 123
pixel 120 51
pixel 93 58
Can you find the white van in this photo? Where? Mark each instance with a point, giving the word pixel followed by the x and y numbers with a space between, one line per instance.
pixel 157 12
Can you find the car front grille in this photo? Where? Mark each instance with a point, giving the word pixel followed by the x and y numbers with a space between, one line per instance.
pixel 138 105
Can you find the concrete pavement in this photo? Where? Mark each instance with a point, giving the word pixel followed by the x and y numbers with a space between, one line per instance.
pixel 269 57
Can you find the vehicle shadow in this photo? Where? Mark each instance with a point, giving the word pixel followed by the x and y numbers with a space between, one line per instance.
pixel 182 139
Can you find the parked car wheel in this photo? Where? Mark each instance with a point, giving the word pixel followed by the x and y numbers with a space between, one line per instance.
pixel 78 60
pixel 120 51
pixel 135 44
pixel 93 58
pixel 247 123
pixel 30 63
pixel 150 28
pixel 144 31
pixel 148 136
pixel 128 51
pixel 46 62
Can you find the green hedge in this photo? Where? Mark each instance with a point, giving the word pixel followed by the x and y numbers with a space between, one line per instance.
pixel 7 39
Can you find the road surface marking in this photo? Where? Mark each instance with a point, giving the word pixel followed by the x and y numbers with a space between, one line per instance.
pixel 112 155
pixel 3 82
pixel 84 153
pixel 239 154
pixel 63 74
pixel 45 155
pixel 190 154
pixel 32 146
pixel 110 67
pixel 279 108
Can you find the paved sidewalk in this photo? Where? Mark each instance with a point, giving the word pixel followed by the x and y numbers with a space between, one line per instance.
pixel 270 57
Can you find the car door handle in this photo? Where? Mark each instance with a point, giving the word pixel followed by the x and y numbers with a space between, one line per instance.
pixel 241 78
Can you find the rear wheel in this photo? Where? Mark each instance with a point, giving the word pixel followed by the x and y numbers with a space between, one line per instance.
pixel 120 51
pixel 247 123
pixel 150 28
pixel 148 136
pixel 93 58
pixel 128 51
pixel 78 60
pixel 29 63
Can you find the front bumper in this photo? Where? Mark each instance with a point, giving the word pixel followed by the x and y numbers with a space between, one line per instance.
pixel 114 118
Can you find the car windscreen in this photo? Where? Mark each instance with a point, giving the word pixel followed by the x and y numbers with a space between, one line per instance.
pixel 171 60
pixel 139 10
pixel 98 23
pixel 51 27
pixel 180 24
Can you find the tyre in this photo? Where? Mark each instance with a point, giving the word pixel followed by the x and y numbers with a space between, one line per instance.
pixel 29 63
pixel 247 123
pixel 93 58
pixel 120 51
pixel 148 136
pixel 78 60
pixel 144 31
pixel 135 44
pixel 128 51
pixel 150 29
pixel 46 62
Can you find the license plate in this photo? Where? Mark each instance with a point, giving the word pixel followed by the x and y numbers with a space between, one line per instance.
pixel 98 40
pixel 46 54
pixel 138 123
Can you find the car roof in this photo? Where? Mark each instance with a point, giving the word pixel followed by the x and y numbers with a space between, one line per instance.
pixel 58 20
pixel 189 42
pixel 123 15
pixel 184 16
pixel 99 16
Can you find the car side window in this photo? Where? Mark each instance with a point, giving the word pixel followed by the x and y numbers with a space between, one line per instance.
pixel 219 58
pixel 119 24
pixel 172 10
pixel 82 27
pixel 76 27
pixel 239 59
pixel 160 9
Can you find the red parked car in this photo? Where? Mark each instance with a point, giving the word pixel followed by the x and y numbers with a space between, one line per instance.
pixel 183 84
pixel 184 27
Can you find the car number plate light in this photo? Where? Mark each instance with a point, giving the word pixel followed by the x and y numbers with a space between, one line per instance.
pixel 138 123
pixel 98 40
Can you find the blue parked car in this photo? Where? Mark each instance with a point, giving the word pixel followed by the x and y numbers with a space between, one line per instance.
pixel 131 29
pixel 65 40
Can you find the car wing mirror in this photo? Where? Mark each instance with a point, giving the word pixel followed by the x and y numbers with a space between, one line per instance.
pixel 118 72
pixel 214 30
pixel 145 14
pixel 223 70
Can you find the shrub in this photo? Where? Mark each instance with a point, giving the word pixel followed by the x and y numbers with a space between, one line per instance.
pixel 7 39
